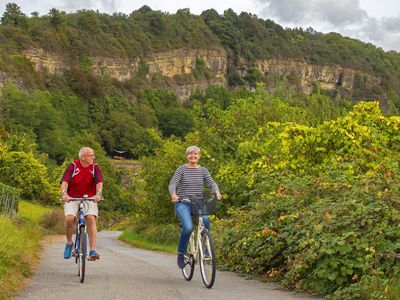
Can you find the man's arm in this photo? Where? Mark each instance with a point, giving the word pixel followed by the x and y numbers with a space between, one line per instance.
pixel 64 191
pixel 99 191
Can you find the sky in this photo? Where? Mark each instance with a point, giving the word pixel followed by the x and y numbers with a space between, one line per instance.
pixel 371 21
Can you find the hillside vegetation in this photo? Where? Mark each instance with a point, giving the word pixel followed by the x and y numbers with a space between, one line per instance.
pixel 314 207
pixel 246 38
pixel 310 180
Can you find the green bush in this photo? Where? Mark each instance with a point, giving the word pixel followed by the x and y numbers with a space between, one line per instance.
pixel 322 211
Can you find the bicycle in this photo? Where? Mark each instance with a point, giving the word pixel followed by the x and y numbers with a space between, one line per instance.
pixel 80 246
pixel 201 245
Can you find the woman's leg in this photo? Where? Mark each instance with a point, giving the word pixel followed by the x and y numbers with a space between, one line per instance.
pixel 207 223
pixel 183 211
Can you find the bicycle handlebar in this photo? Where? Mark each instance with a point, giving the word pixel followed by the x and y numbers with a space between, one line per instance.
pixel 84 198
pixel 190 198
pixel 81 199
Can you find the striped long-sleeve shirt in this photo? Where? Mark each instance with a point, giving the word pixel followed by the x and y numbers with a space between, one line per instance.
pixel 190 181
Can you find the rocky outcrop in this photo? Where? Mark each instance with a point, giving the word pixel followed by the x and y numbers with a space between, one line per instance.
pixel 176 62
pixel 185 62
pixel 329 77
pixel 45 61
pixel 5 79
pixel 183 92
pixel 119 69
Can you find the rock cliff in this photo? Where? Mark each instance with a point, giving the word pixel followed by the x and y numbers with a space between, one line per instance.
pixel 184 62
pixel 329 77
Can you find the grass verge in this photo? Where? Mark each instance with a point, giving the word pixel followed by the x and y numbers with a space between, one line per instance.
pixel 143 241
pixel 19 246
pixel 161 237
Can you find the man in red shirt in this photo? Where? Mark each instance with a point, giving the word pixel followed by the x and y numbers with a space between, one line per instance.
pixel 82 177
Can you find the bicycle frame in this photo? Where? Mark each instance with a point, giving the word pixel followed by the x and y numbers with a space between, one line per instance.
pixel 80 224
pixel 195 241
pixel 80 248
pixel 200 250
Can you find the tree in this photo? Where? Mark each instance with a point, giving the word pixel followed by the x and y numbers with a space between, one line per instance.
pixel 57 18
pixel 13 15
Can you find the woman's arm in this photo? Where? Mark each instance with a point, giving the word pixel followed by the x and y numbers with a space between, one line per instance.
pixel 211 183
pixel 173 184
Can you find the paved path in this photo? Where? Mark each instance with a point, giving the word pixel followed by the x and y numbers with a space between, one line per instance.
pixel 124 272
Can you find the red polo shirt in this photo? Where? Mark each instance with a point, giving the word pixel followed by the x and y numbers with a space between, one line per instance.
pixel 83 180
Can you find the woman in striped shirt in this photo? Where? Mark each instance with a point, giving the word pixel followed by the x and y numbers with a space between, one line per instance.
pixel 188 180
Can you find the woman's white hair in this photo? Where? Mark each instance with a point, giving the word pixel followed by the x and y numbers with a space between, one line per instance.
pixel 192 149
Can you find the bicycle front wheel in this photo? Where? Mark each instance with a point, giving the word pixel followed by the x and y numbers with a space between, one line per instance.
pixel 188 270
pixel 82 253
pixel 207 259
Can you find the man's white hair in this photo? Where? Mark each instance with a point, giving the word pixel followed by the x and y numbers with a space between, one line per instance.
pixel 192 149
pixel 84 150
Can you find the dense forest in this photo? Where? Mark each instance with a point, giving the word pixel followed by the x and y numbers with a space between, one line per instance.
pixel 310 179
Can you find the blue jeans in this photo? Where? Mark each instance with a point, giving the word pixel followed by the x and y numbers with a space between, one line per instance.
pixel 183 211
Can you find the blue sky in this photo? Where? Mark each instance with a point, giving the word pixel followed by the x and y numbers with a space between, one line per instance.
pixel 373 21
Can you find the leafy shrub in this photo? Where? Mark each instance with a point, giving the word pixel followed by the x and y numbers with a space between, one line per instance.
pixel 322 204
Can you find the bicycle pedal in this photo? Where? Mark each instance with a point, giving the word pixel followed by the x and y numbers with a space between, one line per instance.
pixel 93 258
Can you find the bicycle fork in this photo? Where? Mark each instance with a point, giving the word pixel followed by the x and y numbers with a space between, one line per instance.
pixel 81 223
pixel 197 239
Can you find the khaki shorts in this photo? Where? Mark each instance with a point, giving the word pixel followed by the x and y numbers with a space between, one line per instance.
pixel 71 208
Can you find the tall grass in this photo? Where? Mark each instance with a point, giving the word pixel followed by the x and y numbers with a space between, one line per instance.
pixel 19 246
pixel 32 213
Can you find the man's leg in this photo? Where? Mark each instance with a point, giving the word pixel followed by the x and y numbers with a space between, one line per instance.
pixel 69 229
pixel 92 230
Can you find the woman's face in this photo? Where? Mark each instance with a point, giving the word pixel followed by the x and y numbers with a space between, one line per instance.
pixel 193 157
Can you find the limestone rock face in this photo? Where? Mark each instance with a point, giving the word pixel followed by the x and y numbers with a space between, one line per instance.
pixel 172 63
pixel 45 61
pixel 184 62
pixel 5 78
pixel 329 77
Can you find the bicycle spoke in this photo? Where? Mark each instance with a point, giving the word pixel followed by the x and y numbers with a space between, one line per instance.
pixel 188 270
pixel 207 259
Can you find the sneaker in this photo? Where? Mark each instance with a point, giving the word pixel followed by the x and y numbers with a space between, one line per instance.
pixel 68 251
pixel 93 255
pixel 181 261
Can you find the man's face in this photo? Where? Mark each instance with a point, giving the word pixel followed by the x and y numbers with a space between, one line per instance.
pixel 88 158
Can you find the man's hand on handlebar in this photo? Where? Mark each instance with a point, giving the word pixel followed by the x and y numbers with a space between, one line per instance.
pixel 97 198
pixel 65 197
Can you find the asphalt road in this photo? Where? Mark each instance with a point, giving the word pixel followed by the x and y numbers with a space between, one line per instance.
pixel 124 272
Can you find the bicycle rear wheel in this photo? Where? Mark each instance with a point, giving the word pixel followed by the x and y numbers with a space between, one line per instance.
pixel 188 270
pixel 207 259
pixel 82 253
